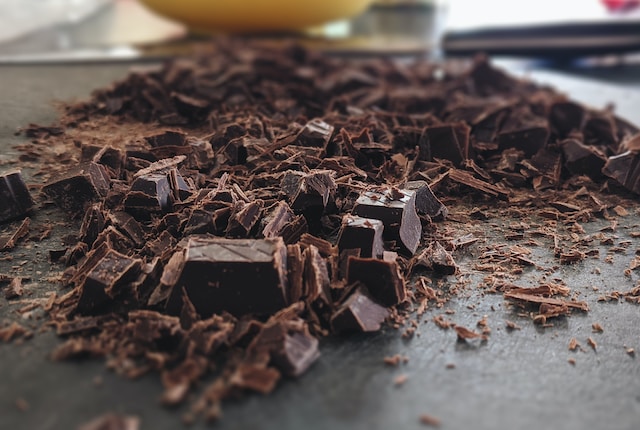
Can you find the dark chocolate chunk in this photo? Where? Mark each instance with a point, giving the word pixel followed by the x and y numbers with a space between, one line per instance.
pixel 106 280
pixel 527 138
pixel 600 130
pixel 15 197
pixel 293 231
pixel 291 350
pixel 92 224
pixel 426 201
pixel 364 234
pixel 325 248
pixel 316 276
pixel 149 193
pixel 14 289
pixel 168 138
pixel 446 142
pixel 308 190
pixel 239 276
pixel 295 271
pixel 243 221
pixel 382 279
pixel 315 133
pixel 112 158
pixel 581 159
pixel 548 162
pixel 624 168
pixel 566 117
pixel 9 242
pixel 181 190
pixel 435 257
pixel 397 212
pixel 200 221
pixel 359 313
pixel 80 186
pixel 129 226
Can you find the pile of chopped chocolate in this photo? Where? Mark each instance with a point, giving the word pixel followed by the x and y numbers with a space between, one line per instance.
pixel 238 206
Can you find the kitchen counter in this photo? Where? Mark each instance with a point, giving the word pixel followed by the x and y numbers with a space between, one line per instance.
pixel 518 379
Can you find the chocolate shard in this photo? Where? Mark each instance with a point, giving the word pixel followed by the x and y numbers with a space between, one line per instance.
pixel 315 133
pixel 359 313
pixel 313 189
pixel 243 221
pixel 168 138
pixel 112 158
pixel 292 349
pixel 129 226
pixel 529 138
pixel 15 197
pixel 239 276
pixel 364 234
pixel 467 179
pixel 295 272
pixel 581 159
pixel 382 278
pixel 294 230
pixel 92 224
pixel 277 219
pixel 624 168
pixel 397 211
pixel 435 257
pixel 316 276
pixel 200 221
pixel 80 186
pixel 600 130
pixel 180 189
pixel 105 281
pixel 149 193
pixel 426 201
pixel 547 162
pixel 446 142
pixel 565 117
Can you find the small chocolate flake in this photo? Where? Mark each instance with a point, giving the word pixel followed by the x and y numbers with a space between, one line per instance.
pixel 429 420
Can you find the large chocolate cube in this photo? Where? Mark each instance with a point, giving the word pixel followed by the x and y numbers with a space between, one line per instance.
pixel 364 234
pixel 239 276
pixel 397 210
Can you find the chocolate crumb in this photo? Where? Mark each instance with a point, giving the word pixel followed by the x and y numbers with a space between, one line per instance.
pixel 573 344
pixel 429 420
pixel 400 380
pixel 22 404
pixel 112 422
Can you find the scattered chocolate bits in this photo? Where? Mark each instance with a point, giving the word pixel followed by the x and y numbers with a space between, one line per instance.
pixel 275 196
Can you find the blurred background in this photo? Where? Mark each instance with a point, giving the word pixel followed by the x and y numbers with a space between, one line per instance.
pixel 592 37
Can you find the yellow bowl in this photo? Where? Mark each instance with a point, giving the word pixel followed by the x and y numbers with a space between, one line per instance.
pixel 255 15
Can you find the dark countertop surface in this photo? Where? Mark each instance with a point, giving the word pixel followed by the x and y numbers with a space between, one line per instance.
pixel 519 379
